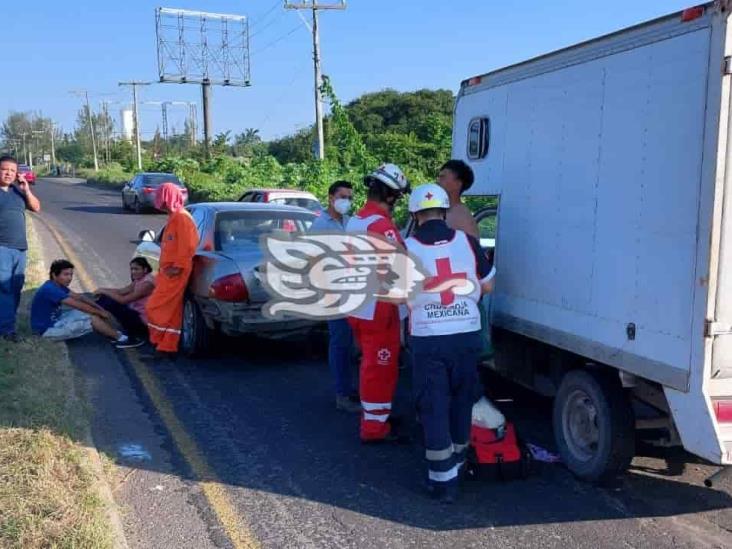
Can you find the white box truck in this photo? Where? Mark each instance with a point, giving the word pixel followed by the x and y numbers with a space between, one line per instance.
pixel 610 163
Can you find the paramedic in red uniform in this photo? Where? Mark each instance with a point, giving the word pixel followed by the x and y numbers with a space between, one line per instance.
pixel 376 325
pixel 444 327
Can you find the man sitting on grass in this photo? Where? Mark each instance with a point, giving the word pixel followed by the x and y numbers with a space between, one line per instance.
pixel 79 317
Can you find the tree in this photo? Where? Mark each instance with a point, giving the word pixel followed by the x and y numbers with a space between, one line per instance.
pixel 248 143
pixel 220 144
pixel 26 133
pixel 103 130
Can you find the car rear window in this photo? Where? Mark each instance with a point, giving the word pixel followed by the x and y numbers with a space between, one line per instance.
pixel 235 230
pixel 158 179
pixel 307 203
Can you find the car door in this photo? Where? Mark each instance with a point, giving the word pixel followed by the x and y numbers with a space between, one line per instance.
pixel 150 249
pixel 487 221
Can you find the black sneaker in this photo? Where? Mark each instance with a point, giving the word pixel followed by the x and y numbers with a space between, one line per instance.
pixel 130 343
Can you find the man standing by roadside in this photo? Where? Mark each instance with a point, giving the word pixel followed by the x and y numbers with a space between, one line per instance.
pixel 15 198
pixel 340 338
pixel 456 177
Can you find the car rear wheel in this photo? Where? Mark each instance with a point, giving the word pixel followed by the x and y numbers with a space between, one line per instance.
pixel 195 335
pixel 594 425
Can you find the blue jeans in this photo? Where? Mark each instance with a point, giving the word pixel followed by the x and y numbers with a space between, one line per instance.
pixel 339 355
pixel 12 278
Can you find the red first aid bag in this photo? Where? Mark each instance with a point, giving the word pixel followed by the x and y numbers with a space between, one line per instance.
pixel 497 454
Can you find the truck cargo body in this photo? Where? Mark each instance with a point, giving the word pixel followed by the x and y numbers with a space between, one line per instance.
pixel 613 242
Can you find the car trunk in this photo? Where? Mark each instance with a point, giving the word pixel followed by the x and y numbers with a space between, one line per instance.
pixel 250 265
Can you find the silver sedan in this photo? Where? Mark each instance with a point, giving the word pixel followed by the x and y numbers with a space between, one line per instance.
pixel 224 292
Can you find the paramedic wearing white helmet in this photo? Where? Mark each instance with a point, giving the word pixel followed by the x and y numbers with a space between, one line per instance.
pixel 444 332
pixel 376 326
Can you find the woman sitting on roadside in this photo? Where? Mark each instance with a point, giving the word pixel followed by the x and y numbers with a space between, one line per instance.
pixel 127 304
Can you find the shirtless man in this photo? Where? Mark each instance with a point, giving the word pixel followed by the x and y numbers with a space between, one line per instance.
pixel 456 177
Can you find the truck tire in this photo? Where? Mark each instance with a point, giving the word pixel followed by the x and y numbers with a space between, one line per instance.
pixel 593 425
pixel 195 335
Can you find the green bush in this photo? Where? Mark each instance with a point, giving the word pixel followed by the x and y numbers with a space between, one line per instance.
pixel 112 174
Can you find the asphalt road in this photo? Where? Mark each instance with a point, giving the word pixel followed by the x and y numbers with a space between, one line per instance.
pixel 293 471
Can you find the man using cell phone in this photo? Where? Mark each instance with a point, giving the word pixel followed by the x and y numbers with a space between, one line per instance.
pixel 15 198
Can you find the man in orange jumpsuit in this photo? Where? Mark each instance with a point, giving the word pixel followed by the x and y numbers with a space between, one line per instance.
pixel 178 245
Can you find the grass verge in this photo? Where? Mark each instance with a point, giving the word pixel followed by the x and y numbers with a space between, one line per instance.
pixel 113 176
pixel 49 494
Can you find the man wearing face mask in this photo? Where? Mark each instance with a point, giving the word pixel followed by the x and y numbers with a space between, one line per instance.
pixel 377 324
pixel 340 338
pixel 444 328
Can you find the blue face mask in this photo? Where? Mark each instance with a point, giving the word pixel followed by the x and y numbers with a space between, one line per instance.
pixel 342 205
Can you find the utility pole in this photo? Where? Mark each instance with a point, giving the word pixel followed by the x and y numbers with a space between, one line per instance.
pixel 85 94
pixel 134 84
pixel 206 100
pixel 25 148
pixel 53 145
pixel 35 132
pixel 314 6
pixel 193 122
pixel 105 111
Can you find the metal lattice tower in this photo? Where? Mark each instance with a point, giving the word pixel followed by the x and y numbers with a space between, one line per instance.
pixel 202 48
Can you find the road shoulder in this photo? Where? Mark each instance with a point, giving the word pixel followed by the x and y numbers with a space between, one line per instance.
pixel 53 490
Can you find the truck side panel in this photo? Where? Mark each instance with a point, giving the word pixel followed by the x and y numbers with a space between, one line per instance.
pixel 598 165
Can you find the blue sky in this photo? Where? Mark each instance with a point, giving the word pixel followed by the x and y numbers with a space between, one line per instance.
pixel 51 47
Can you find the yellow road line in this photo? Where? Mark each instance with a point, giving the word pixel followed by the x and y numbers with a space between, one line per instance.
pixel 214 490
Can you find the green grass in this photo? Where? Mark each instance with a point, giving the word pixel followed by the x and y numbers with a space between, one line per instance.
pixel 113 175
pixel 48 491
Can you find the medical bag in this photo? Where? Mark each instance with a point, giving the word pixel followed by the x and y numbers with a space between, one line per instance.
pixel 495 450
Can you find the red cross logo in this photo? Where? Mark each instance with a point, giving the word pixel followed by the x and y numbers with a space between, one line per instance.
pixel 445 275
pixel 429 196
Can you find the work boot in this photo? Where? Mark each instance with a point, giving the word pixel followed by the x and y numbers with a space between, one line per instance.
pixel 347 404
pixel 395 435
pixel 444 493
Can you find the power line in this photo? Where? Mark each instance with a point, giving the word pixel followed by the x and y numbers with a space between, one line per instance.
pixel 276 41
pixel 298 73
pixel 259 30
pixel 270 10
pixel 258 22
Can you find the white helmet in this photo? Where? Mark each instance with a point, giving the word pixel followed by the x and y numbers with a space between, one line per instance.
pixel 391 176
pixel 428 196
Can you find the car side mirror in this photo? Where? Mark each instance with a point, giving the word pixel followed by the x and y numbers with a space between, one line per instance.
pixel 147 235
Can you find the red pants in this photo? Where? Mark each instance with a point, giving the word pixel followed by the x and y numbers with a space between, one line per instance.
pixel 379 340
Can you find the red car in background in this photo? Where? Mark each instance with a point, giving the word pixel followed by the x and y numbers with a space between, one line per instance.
pixel 286 197
pixel 29 174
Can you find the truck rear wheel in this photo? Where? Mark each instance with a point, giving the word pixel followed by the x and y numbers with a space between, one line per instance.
pixel 593 425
